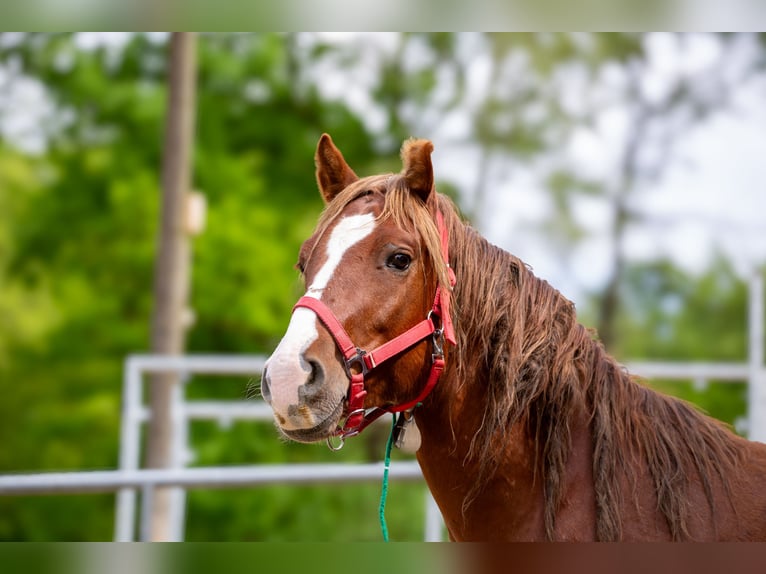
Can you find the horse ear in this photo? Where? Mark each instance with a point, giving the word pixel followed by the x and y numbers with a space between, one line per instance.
pixel 418 171
pixel 332 171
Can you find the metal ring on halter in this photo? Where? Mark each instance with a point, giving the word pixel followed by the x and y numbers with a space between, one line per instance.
pixel 339 445
pixel 343 435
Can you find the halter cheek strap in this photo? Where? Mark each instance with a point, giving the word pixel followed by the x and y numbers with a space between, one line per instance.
pixel 444 297
pixel 358 362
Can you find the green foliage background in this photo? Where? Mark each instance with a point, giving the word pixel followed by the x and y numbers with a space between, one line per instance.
pixel 78 225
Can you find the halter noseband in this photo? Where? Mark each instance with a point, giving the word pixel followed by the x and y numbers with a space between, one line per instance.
pixel 358 362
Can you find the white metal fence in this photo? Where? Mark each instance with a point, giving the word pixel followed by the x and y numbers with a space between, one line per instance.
pixel 130 478
pixel 184 411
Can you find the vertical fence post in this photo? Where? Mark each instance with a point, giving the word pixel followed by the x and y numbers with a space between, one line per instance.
pixel 130 439
pixel 756 379
pixel 178 460
pixel 434 520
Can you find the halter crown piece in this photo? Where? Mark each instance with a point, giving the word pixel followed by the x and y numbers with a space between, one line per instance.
pixel 359 362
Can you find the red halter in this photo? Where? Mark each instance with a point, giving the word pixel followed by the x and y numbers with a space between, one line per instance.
pixel 359 362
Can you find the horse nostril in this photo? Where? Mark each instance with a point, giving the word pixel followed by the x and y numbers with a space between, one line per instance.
pixel 266 386
pixel 317 374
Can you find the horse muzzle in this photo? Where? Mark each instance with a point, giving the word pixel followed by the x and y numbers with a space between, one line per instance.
pixel 305 407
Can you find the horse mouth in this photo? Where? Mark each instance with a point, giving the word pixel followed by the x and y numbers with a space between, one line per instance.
pixel 320 432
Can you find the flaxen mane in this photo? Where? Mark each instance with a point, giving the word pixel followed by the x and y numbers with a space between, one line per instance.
pixel 545 367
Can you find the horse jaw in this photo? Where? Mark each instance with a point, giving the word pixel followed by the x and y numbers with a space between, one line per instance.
pixel 307 394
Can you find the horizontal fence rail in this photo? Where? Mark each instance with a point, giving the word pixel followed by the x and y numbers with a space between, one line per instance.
pixel 222 411
pixel 200 364
pixel 723 372
pixel 207 477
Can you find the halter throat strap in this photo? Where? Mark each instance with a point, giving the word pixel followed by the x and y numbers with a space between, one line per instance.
pixel 359 362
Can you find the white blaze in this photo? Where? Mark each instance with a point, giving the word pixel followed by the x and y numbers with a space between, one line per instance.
pixel 348 232
pixel 288 369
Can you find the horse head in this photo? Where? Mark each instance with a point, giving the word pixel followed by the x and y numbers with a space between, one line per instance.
pixel 370 268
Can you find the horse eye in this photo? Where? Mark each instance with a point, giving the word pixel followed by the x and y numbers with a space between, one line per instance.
pixel 399 261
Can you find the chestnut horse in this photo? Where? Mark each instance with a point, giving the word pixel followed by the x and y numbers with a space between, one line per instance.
pixel 529 429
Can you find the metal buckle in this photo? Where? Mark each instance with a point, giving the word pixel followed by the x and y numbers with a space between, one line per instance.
pixel 437 337
pixel 438 342
pixel 357 359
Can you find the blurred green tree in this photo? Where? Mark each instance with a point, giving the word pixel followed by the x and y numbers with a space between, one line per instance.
pixel 669 314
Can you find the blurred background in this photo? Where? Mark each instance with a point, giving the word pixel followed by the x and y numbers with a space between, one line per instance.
pixel 627 170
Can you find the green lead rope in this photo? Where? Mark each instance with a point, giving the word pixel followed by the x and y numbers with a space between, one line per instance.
pixel 384 488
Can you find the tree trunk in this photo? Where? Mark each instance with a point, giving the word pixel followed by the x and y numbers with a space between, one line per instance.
pixel 610 301
pixel 171 273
